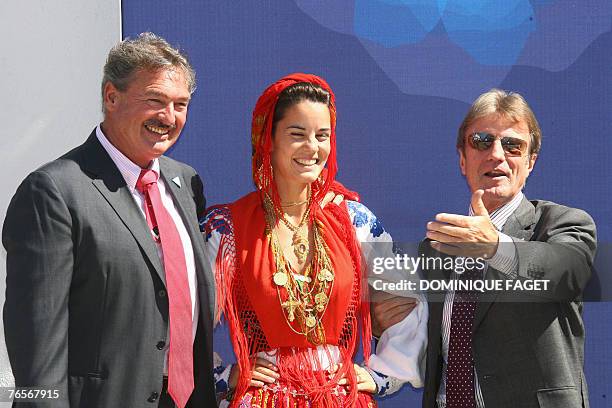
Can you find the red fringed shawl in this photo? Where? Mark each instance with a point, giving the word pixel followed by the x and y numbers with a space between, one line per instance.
pixel 244 269
pixel 245 266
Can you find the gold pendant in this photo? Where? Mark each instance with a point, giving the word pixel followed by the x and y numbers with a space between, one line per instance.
pixel 320 298
pixel 280 278
pixel 325 275
pixel 311 321
pixel 300 246
pixel 290 306
pixel 321 301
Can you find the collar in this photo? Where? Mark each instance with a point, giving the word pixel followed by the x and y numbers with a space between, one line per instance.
pixel 501 215
pixel 129 170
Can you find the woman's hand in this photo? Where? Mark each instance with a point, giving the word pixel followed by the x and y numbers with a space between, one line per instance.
pixel 264 372
pixel 365 382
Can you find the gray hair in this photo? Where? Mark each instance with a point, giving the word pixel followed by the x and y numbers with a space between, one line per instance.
pixel 510 105
pixel 147 51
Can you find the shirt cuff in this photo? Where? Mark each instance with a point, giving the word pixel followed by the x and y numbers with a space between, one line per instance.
pixel 385 385
pixel 400 352
pixel 221 375
pixel 505 259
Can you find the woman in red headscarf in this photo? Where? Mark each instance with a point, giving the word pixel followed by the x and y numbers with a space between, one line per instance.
pixel 289 272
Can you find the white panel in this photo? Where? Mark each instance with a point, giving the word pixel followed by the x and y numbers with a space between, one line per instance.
pixel 52 54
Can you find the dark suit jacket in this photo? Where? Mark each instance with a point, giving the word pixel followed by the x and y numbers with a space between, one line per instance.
pixel 528 353
pixel 86 307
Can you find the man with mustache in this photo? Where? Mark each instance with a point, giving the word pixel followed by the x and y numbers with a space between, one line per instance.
pixel 506 348
pixel 109 302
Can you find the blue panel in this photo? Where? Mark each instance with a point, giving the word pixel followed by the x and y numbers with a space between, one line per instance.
pixel 396 146
pixel 393 23
pixel 492 32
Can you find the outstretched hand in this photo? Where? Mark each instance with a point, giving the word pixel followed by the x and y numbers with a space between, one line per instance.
pixel 460 235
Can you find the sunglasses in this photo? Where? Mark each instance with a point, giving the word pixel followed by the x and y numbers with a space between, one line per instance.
pixel 512 146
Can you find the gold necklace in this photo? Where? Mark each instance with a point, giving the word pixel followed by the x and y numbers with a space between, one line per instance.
pixel 293 204
pixel 299 240
pixel 303 298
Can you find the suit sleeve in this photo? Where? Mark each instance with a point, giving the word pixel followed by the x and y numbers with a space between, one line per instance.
pixel 37 235
pixel 562 253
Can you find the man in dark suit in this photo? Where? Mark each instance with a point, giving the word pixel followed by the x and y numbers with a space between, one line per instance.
pixel 508 348
pixel 108 298
pixel 513 346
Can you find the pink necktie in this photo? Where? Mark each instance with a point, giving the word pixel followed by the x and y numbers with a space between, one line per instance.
pixel 180 355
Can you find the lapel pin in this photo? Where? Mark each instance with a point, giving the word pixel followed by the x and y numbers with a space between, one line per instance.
pixel 177 181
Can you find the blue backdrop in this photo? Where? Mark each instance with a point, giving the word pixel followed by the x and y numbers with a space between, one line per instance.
pixel 404 73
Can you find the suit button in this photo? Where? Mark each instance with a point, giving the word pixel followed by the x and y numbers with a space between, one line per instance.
pixel 153 397
pixel 161 344
pixel 161 293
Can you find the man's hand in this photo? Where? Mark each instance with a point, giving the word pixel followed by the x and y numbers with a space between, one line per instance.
pixel 387 309
pixel 331 197
pixel 461 235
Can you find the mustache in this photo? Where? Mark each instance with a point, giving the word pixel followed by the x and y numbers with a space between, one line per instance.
pixel 157 123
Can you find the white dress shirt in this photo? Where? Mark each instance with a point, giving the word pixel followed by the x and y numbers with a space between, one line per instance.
pixel 505 261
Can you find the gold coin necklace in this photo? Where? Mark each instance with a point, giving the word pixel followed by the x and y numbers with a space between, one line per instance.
pixel 304 297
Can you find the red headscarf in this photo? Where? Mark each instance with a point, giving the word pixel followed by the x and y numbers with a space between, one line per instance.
pixel 261 138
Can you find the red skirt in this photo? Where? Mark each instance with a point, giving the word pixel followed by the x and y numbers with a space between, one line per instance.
pixel 279 396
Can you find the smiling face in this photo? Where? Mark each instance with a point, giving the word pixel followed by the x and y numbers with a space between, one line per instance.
pixel 500 176
pixel 146 119
pixel 301 145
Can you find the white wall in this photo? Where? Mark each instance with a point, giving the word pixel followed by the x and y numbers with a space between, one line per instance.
pixel 51 58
